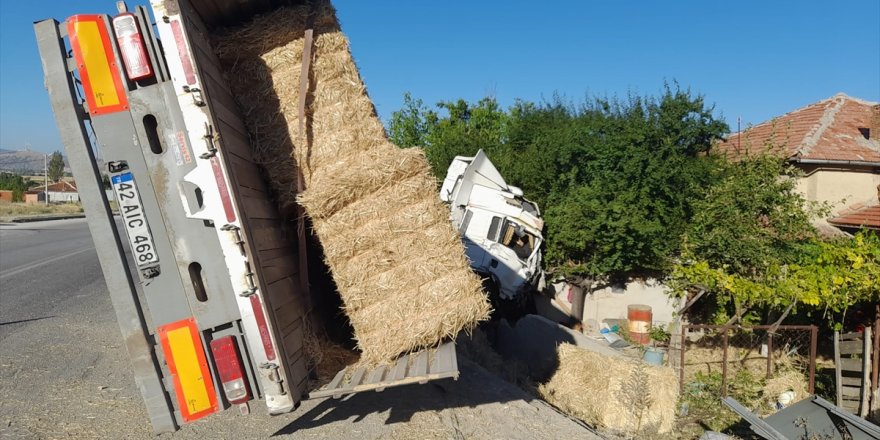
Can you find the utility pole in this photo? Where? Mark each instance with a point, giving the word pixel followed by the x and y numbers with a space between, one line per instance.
pixel 46 173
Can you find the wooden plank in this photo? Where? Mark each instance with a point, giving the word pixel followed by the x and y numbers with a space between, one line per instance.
pixel 850 336
pixel 850 381
pixel 288 317
pixel 233 143
pixel 849 364
pixel 300 373
pixel 273 274
pixel 855 392
pixel 247 173
pixel 223 112
pixel 837 366
pixel 293 340
pixel 866 373
pixel 851 347
pixel 288 311
pixel 284 252
pixel 267 234
pixel 259 208
pixel 279 292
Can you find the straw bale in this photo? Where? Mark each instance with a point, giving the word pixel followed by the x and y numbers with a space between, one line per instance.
pixel 396 260
pixel 617 394
pixel 782 381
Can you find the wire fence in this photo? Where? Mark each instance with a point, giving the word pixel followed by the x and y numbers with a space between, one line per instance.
pixel 715 357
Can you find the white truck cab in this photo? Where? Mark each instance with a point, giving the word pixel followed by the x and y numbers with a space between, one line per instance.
pixel 501 229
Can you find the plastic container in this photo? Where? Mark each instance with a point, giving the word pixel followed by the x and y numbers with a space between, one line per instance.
pixel 654 356
pixel 640 317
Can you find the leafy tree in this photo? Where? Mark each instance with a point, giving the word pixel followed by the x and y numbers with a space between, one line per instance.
pixel 753 218
pixel 630 194
pixel 15 183
pixel 616 179
pixel 751 244
pixel 408 127
pixel 56 166
pixel 830 277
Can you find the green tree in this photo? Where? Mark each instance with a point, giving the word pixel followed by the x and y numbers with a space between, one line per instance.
pixel 637 168
pixel 15 183
pixel 616 179
pixel 409 127
pixel 753 217
pixel 751 244
pixel 56 166
pixel 829 277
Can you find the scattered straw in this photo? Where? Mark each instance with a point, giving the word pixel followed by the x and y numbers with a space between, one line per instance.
pixel 781 382
pixel 617 394
pixel 398 263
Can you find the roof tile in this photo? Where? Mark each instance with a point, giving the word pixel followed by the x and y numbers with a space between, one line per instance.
pixel 827 129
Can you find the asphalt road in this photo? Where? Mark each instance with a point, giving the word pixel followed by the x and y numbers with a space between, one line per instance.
pixel 44 266
pixel 64 372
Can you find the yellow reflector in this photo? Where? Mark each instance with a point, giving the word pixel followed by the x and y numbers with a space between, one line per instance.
pixel 96 64
pixel 185 356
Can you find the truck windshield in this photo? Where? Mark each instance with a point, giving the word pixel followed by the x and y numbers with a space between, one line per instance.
pixel 516 238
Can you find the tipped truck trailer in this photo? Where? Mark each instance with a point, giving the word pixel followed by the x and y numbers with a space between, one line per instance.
pixel 213 302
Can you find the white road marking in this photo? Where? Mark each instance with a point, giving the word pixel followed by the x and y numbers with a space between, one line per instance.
pixel 42 262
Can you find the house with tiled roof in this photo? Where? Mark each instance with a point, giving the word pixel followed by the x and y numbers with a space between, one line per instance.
pixel 63 191
pixel 836 143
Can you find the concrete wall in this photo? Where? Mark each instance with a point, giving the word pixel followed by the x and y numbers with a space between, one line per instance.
pixel 834 186
pixel 612 302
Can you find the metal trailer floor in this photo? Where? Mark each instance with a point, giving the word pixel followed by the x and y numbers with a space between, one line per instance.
pixel 813 417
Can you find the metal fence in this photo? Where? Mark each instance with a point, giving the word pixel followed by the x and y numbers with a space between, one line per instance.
pixel 761 351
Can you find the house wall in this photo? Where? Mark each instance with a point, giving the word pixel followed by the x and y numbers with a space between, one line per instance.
pixel 5 196
pixel 57 196
pixel 32 198
pixel 834 186
pixel 612 302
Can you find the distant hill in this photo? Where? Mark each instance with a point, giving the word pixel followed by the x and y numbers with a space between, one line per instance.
pixel 24 161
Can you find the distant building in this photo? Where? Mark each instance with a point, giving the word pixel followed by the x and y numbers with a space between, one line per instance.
pixel 6 195
pixel 836 143
pixel 60 192
pixel 32 197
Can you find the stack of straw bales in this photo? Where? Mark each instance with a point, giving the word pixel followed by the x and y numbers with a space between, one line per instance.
pixel 620 395
pixel 397 262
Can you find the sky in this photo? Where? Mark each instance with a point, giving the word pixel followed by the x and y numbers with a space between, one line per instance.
pixel 752 60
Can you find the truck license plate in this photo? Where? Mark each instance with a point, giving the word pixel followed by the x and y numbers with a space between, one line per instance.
pixel 135 221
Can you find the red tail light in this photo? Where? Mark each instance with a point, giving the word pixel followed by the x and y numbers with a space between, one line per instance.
pixel 131 45
pixel 228 364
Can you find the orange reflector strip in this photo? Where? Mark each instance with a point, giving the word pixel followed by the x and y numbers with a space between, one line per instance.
pixel 96 64
pixel 185 356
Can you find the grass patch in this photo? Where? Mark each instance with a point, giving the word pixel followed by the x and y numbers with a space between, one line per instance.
pixel 9 210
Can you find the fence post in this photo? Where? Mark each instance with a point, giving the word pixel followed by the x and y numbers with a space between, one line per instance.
pixel 769 353
pixel 814 335
pixel 724 360
pixel 681 364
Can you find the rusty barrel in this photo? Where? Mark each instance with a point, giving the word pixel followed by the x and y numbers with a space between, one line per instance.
pixel 640 318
